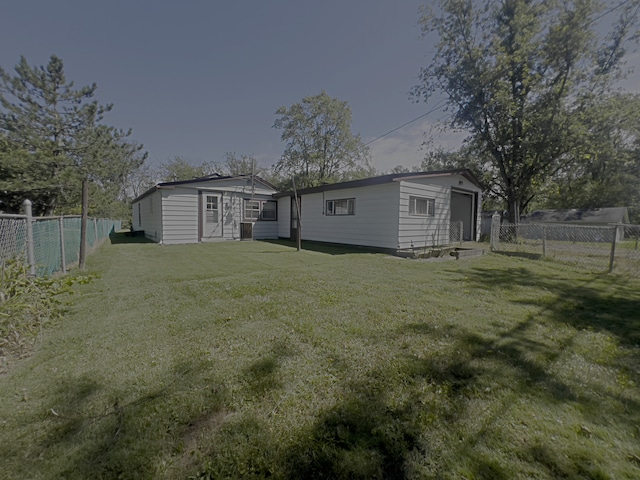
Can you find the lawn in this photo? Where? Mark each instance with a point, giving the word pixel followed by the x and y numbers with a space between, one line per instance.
pixel 252 360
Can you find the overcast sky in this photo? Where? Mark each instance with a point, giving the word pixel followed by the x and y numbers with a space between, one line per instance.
pixel 200 78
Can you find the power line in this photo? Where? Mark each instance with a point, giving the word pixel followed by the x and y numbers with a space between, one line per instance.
pixel 438 105
pixel 607 12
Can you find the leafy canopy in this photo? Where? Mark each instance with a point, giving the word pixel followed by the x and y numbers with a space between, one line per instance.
pixel 521 76
pixel 320 147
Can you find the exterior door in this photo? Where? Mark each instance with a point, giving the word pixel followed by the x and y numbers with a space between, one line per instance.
pixel 462 209
pixel 211 216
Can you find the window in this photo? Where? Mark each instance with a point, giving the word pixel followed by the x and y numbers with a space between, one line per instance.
pixel 269 210
pixel 260 210
pixel 251 209
pixel 422 206
pixel 344 206
pixel 212 209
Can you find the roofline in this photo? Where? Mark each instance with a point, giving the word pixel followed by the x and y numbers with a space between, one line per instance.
pixel 392 177
pixel 208 178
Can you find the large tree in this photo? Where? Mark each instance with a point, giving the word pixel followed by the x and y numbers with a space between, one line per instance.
pixel 52 139
pixel 521 76
pixel 320 146
pixel 609 174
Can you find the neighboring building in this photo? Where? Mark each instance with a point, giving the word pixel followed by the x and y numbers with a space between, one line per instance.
pixel 396 211
pixel 582 217
pixel 207 209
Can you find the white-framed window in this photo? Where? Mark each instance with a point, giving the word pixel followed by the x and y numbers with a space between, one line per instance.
pixel 343 206
pixel 422 206
pixel 212 209
pixel 260 210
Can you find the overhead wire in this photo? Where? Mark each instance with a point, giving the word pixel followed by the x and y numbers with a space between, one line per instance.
pixel 439 104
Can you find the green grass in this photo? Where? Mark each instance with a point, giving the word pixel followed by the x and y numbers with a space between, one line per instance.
pixel 251 360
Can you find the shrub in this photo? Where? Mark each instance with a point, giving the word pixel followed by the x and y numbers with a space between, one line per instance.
pixel 27 305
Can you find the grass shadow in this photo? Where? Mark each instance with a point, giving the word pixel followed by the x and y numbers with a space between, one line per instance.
pixel 328 248
pixel 359 438
pixel 530 256
pixel 117 238
pixel 110 434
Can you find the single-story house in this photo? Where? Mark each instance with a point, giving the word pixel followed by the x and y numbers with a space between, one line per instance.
pixel 396 211
pixel 601 217
pixel 207 209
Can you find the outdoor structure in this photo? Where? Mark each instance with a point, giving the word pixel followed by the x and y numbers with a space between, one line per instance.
pixel 582 217
pixel 394 212
pixel 207 209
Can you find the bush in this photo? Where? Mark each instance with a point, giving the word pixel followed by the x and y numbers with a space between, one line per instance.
pixel 27 305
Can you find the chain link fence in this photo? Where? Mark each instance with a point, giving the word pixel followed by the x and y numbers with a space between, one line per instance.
pixel 612 248
pixel 56 240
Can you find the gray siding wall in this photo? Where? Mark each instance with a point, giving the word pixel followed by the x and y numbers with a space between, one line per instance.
pixel 284 217
pixel 422 230
pixel 375 223
pixel 150 220
pixel 180 215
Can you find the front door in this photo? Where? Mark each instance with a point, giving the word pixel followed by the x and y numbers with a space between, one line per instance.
pixel 211 216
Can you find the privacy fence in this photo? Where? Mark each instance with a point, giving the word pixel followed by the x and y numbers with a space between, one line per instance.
pixel 56 240
pixel 611 248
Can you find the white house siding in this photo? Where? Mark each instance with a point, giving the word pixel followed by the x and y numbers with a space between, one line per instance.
pixel 458 182
pixel 418 231
pixel 262 229
pixel 284 217
pixel 375 223
pixel 179 215
pixel 147 216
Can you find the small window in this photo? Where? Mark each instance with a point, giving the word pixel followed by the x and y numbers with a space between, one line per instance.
pixel 251 209
pixel 260 210
pixel 422 206
pixel 344 206
pixel 269 210
pixel 212 209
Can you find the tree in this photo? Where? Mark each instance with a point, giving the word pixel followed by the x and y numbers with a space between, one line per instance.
pixel 521 76
pixel 53 139
pixel 179 168
pixel 320 147
pixel 609 175
pixel 240 165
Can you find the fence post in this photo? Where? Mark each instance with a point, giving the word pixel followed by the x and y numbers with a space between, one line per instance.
pixel 31 258
pixel 495 232
pixel 544 240
pixel 613 248
pixel 63 257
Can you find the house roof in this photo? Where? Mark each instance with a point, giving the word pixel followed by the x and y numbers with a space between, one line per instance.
pixel 392 177
pixel 579 215
pixel 209 178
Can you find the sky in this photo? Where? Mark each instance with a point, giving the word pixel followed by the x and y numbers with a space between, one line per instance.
pixel 197 79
